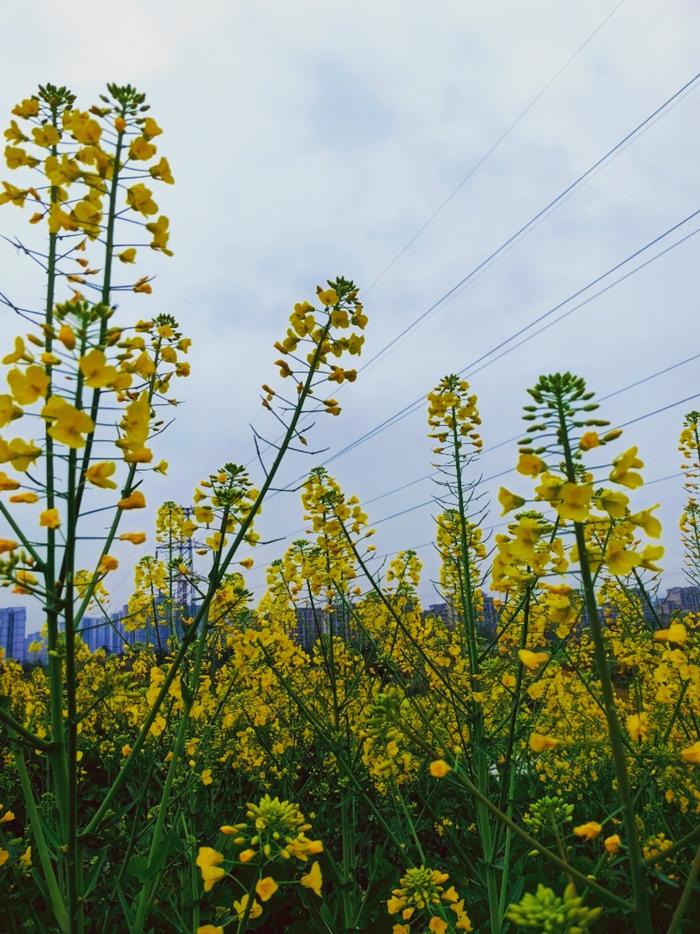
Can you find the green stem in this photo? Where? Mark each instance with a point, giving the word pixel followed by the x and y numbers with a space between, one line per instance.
pixel 637 871
pixel 58 756
pixel 74 864
pixel 686 895
pixel 55 898
pixel 148 887
pixel 536 845
pixel 214 581
pixel 479 736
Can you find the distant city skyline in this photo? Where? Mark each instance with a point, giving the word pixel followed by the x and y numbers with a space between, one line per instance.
pixel 111 635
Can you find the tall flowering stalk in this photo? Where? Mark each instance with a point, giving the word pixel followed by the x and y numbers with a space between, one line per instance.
pixel 561 432
pixel 454 420
pixel 689 446
pixel 75 365
pixel 97 389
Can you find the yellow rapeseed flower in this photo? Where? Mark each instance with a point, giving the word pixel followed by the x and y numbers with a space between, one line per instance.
pixel 532 660
pixel 136 538
pixel 313 879
pixel 509 500
pixel 638 726
pixel 530 465
pixel 589 830
pixel 266 888
pixel 612 844
pixel 439 768
pixel 209 863
pixel 676 633
pixel 540 743
pixel 98 474
pixel 135 500
pixel 50 518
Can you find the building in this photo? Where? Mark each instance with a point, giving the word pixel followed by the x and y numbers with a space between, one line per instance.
pixel 486 619
pixel 680 600
pixel 97 632
pixel 311 623
pixel 491 616
pixel 13 623
pixel 100 632
pixel 36 651
pixel 444 611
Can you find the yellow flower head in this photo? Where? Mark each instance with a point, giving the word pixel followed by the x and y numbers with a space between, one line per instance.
pixel 574 500
pixel 589 440
pixel 107 563
pixel 588 831
pixel 637 726
pixel 67 424
pixel 99 475
pixel 135 500
pixel 532 660
pixel 530 465
pixel 540 743
pixel 612 844
pixel 50 518
pixel 209 863
pixel 439 768
pixel 266 888
pixel 676 633
pixel 313 879
pixel 241 908
pixel 509 501
pixel 136 538
pixel 623 469
pixel 646 521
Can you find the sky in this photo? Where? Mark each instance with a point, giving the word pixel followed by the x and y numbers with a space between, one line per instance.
pixel 310 140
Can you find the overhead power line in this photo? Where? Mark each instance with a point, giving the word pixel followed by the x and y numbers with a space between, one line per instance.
pixel 536 217
pixel 428 544
pixel 488 450
pixel 625 141
pixel 632 421
pixel 514 438
pixel 490 151
pixel 468 369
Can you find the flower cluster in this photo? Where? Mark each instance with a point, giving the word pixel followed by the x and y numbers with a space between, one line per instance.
pixel 319 330
pixel 422 899
pixel 558 914
pixel 560 419
pixel 78 153
pixel 273 830
pixel 453 413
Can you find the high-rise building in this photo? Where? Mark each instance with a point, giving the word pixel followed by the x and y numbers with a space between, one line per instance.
pixel 100 632
pixel 444 611
pixel 13 623
pixel 486 619
pixel 311 623
pixel 490 616
pixel 680 600
pixel 36 651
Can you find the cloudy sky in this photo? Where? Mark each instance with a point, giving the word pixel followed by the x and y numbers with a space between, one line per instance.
pixel 311 139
